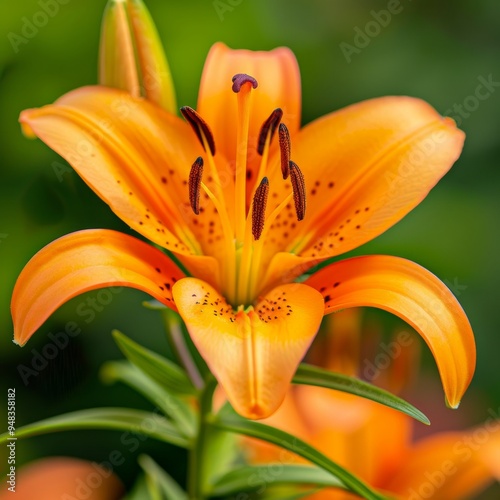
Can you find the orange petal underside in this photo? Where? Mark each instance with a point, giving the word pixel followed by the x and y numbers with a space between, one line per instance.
pixel 365 167
pixel 278 78
pixel 83 261
pixel 415 295
pixel 252 354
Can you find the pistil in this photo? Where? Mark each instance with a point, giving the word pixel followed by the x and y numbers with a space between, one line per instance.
pixel 242 85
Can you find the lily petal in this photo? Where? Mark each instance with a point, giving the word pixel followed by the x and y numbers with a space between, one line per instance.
pixel 136 157
pixel 414 294
pixel 341 423
pixel 278 78
pixel 365 167
pixel 449 463
pixel 64 477
pixel 83 261
pixel 253 353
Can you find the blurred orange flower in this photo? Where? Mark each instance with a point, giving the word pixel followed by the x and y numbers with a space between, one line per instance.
pixel 375 442
pixel 63 478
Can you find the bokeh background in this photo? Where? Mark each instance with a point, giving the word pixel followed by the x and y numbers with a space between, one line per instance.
pixel 438 51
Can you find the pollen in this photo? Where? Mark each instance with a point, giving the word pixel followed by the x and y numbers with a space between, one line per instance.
pixel 195 176
pixel 259 208
pixel 200 127
pixel 299 190
pixel 269 127
pixel 285 149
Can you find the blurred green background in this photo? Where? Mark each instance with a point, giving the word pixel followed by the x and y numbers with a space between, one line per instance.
pixel 438 51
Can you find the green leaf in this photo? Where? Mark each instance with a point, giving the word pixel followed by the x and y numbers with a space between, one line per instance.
pixel 178 410
pixel 258 477
pixel 286 494
pixel 164 484
pixel 235 423
pixel 157 367
pixel 122 419
pixel 311 375
pixel 139 490
pixel 154 305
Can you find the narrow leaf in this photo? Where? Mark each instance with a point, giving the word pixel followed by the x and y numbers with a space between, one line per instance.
pixel 164 483
pixel 124 419
pixel 172 406
pixel 139 490
pixel 164 371
pixel 311 375
pixel 255 477
pixel 237 424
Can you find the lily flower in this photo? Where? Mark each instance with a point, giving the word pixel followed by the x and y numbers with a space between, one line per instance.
pixel 63 477
pixel 376 442
pixel 248 201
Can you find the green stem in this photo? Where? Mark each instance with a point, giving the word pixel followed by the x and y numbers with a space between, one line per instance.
pixel 197 472
pixel 178 346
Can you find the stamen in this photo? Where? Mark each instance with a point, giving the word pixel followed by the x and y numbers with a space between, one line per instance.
pixel 271 125
pixel 259 208
pixel 195 176
pixel 200 127
pixel 240 79
pixel 299 190
pixel 285 149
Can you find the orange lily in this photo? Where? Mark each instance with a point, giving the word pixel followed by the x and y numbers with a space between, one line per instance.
pixel 63 477
pixel 229 202
pixel 375 442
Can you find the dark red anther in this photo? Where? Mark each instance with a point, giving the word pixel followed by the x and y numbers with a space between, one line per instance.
pixel 299 190
pixel 195 176
pixel 269 126
pixel 259 208
pixel 199 126
pixel 240 79
pixel 285 149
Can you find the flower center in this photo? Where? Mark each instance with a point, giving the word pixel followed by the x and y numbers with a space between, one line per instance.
pixel 245 233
